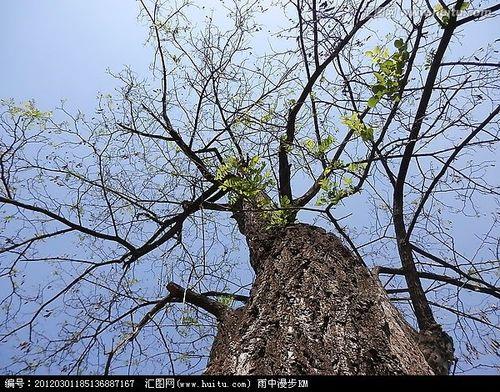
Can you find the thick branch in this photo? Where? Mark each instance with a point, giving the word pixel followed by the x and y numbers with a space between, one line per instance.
pixel 285 189
pixel 179 294
pixel 442 278
pixel 447 164
pixel 479 14
pixel 68 223
pixel 212 194
pixel 176 294
pixel 423 311
pixel 237 297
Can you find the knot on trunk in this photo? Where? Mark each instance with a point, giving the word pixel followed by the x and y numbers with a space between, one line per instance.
pixel 438 350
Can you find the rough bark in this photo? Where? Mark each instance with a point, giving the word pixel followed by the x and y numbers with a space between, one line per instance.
pixel 314 309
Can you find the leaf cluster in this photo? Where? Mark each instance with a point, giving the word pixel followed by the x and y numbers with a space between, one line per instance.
pixel 389 73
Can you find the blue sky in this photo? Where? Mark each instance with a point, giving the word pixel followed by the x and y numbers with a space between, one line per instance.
pixel 59 49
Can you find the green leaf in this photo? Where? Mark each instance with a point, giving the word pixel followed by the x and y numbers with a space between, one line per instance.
pixel 465 5
pixel 310 145
pixel 372 102
pixel 380 78
pixel 353 122
pixel 399 43
pixel 347 181
pixel 389 75
pixel 377 88
pixel 226 300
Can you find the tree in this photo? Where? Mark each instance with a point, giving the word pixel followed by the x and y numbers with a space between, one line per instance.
pixel 241 132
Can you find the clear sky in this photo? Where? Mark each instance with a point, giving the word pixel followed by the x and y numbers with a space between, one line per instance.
pixel 54 49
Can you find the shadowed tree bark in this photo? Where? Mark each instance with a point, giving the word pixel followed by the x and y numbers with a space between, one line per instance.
pixel 314 308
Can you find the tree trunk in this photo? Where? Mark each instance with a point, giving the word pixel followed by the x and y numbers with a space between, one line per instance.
pixel 313 309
